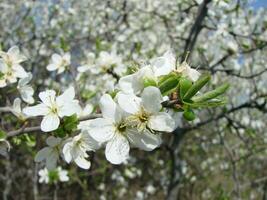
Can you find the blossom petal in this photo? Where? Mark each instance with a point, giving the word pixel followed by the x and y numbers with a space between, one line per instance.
pixel 69 108
pixel 145 140
pixel 67 152
pixel 67 96
pixel 15 54
pixel 126 84
pixel 82 162
pixel 101 129
pixel 165 64
pixel 109 108
pixel 19 71
pixel 50 122
pixel 192 74
pixel 42 154
pixel 53 141
pixel 17 105
pixel 37 110
pixel 129 102
pixel 51 67
pixel 151 99
pixel 51 160
pixel 161 122
pixel 25 81
pixel 117 150
pixel 26 93
pixel 56 58
pixel 48 97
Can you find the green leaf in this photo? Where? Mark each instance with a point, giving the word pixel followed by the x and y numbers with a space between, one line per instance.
pixel 197 86
pixel 211 103
pixel 149 82
pixel 70 123
pixel 184 85
pixel 60 132
pixel 2 134
pixel 212 94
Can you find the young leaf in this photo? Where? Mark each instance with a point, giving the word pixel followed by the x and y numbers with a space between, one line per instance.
pixel 211 103
pixel 197 86
pixel 212 94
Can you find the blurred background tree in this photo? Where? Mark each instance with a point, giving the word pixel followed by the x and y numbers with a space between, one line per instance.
pixel 220 155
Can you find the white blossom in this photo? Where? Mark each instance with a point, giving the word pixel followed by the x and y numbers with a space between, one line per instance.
pixel 53 108
pixel 145 111
pixel 9 74
pixel 13 57
pixel 44 176
pixel 75 149
pixel 112 130
pixel 59 62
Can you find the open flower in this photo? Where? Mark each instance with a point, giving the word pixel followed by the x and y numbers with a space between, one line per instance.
pixel 50 153
pixel 25 90
pixel 112 130
pixel 53 108
pixel 75 149
pixel 9 74
pixel 12 57
pixel 145 112
pixel 59 62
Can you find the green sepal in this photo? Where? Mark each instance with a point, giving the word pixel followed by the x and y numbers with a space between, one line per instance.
pixel 197 86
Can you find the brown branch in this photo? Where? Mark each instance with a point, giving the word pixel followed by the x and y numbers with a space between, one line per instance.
pixel 25 129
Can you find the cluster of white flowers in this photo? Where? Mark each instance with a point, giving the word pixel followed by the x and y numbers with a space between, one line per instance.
pixel 11 70
pixel 132 117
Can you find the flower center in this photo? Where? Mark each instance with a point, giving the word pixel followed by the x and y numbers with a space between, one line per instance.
pixel 121 127
pixel 139 120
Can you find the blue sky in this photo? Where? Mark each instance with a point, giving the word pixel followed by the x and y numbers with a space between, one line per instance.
pixel 259 3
